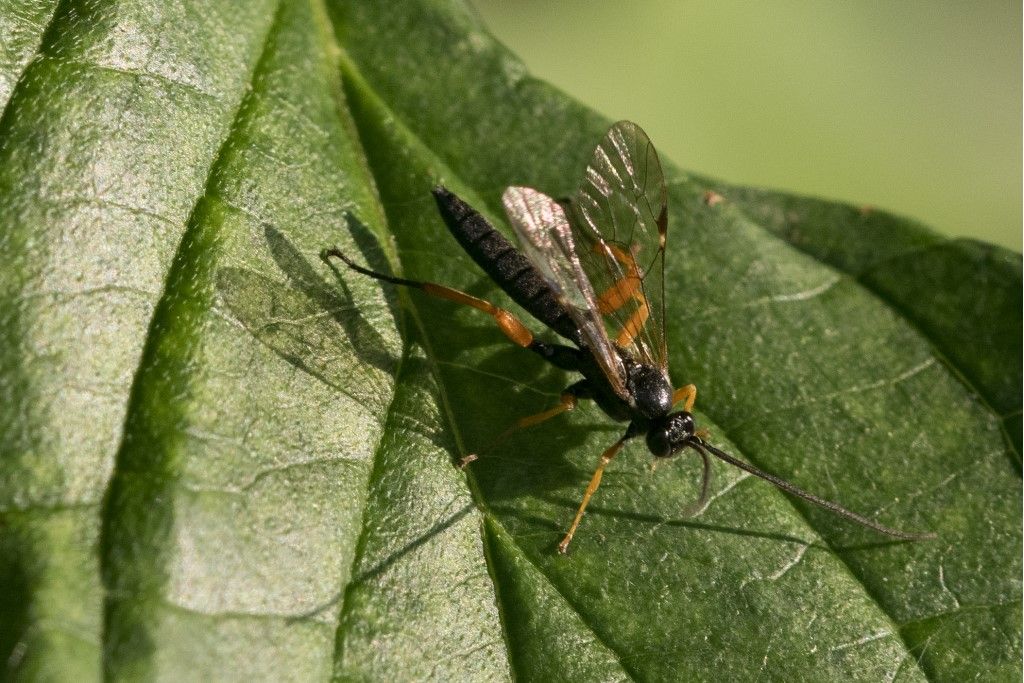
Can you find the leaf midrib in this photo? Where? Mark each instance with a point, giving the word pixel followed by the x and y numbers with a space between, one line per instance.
pixel 477 497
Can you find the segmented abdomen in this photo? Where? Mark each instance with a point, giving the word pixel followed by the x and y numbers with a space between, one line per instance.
pixel 505 264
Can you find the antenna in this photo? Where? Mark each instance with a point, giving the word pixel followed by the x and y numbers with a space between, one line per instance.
pixel 705 447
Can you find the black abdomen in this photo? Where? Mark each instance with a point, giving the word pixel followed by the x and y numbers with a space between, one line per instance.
pixel 505 264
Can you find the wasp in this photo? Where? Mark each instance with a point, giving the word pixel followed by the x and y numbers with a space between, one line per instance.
pixel 591 269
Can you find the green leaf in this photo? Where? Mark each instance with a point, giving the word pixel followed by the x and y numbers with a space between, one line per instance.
pixel 224 459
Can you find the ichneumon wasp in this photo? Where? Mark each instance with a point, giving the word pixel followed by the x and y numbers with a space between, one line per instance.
pixel 591 270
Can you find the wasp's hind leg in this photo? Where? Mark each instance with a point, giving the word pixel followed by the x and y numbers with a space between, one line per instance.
pixel 507 323
pixel 566 402
pixel 564 357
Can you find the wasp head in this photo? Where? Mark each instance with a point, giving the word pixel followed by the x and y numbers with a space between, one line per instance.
pixel 668 436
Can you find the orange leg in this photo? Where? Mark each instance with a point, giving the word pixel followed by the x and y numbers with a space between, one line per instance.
pixel 624 289
pixel 635 323
pixel 507 322
pixel 616 296
pixel 629 287
pixel 687 394
pixel 595 481
pixel 567 402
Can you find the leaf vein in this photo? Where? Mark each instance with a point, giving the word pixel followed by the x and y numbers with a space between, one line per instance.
pixel 109 515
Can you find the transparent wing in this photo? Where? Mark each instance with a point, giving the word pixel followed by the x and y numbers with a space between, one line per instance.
pixel 619 219
pixel 544 232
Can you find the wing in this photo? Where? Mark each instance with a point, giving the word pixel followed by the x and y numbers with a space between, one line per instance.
pixel 620 221
pixel 544 232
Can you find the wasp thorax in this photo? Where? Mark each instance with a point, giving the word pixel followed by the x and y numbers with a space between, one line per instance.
pixel 667 436
pixel 650 390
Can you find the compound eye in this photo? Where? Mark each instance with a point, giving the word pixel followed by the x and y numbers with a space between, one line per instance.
pixel 658 443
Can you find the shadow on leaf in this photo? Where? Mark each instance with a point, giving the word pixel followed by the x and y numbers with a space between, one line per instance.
pixel 315 327
pixel 650 522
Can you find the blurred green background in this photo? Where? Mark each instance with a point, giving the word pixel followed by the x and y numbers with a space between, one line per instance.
pixel 911 106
